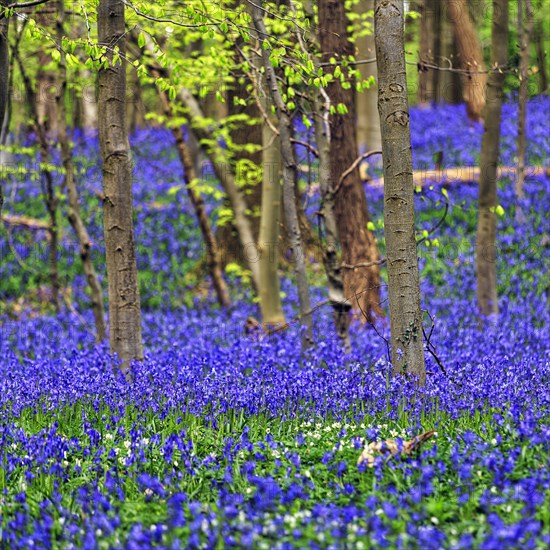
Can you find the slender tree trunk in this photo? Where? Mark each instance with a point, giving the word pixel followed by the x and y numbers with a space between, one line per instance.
pixel 486 229
pixel 361 285
pixel 403 277
pixel 368 122
pixel 525 27
pixel 4 80
pixel 74 216
pixel 470 58
pixel 189 175
pixel 425 77
pixel 226 176
pixel 268 241
pixel 290 175
pixel 88 102
pixel 341 306
pixel 50 197
pixel 542 54
pixel 46 83
pixel 124 299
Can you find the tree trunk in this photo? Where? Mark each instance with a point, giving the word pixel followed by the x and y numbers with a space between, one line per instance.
pixel 486 229
pixel 470 57
pixel 525 27
pixel 4 80
pixel 268 241
pixel 46 83
pixel 226 176
pixel 124 299
pixel 189 175
pixel 74 216
pixel 368 121
pixel 290 174
pixel 425 76
pixel 50 197
pixel 361 285
pixel 88 102
pixel 542 63
pixel 403 277
pixel 341 306
pixel 446 83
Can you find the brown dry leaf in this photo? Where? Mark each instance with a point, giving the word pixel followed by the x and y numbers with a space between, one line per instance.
pixel 390 447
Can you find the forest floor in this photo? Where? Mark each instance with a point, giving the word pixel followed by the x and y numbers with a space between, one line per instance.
pixel 225 440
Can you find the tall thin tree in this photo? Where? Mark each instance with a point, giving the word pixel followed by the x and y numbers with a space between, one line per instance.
pixel 290 173
pixel 75 218
pixel 486 228
pixel 124 299
pixel 361 283
pixel 525 28
pixel 470 57
pixel 403 277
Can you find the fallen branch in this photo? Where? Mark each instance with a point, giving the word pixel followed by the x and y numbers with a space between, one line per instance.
pixel 25 221
pixel 463 174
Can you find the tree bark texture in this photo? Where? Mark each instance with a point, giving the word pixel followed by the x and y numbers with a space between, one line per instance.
pixel 75 219
pixel 361 285
pixel 124 298
pixel 341 307
pixel 268 240
pixel 542 56
pixel 4 78
pixel 525 27
pixel 486 229
pixel 290 175
pixel 470 57
pixel 403 277
pixel 368 121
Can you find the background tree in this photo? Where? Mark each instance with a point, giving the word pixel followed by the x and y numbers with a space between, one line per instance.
pixel 525 29
pixel 361 282
pixel 399 220
pixel 75 218
pixel 486 229
pixel 470 58
pixel 124 298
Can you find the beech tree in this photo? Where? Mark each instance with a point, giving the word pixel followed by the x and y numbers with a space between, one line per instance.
pixel 403 277
pixel 525 27
pixel 361 275
pixel 75 219
pixel 490 146
pixel 470 57
pixel 124 299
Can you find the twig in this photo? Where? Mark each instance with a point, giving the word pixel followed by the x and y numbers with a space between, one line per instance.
pixel 354 165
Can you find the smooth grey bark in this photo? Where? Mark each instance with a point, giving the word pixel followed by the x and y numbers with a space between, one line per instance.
pixel 75 218
pixel 268 239
pixel 368 121
pixel 399 218
pixel 490 145
pixel 525 27
pixel 290 174
pixel 124 298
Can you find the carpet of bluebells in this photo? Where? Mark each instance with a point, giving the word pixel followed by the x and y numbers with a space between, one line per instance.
pixel 223 440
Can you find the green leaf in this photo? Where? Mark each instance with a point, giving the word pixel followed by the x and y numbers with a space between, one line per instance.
pixel 56 55
pixel 141 40
pixel 499 211
pixel 370 226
